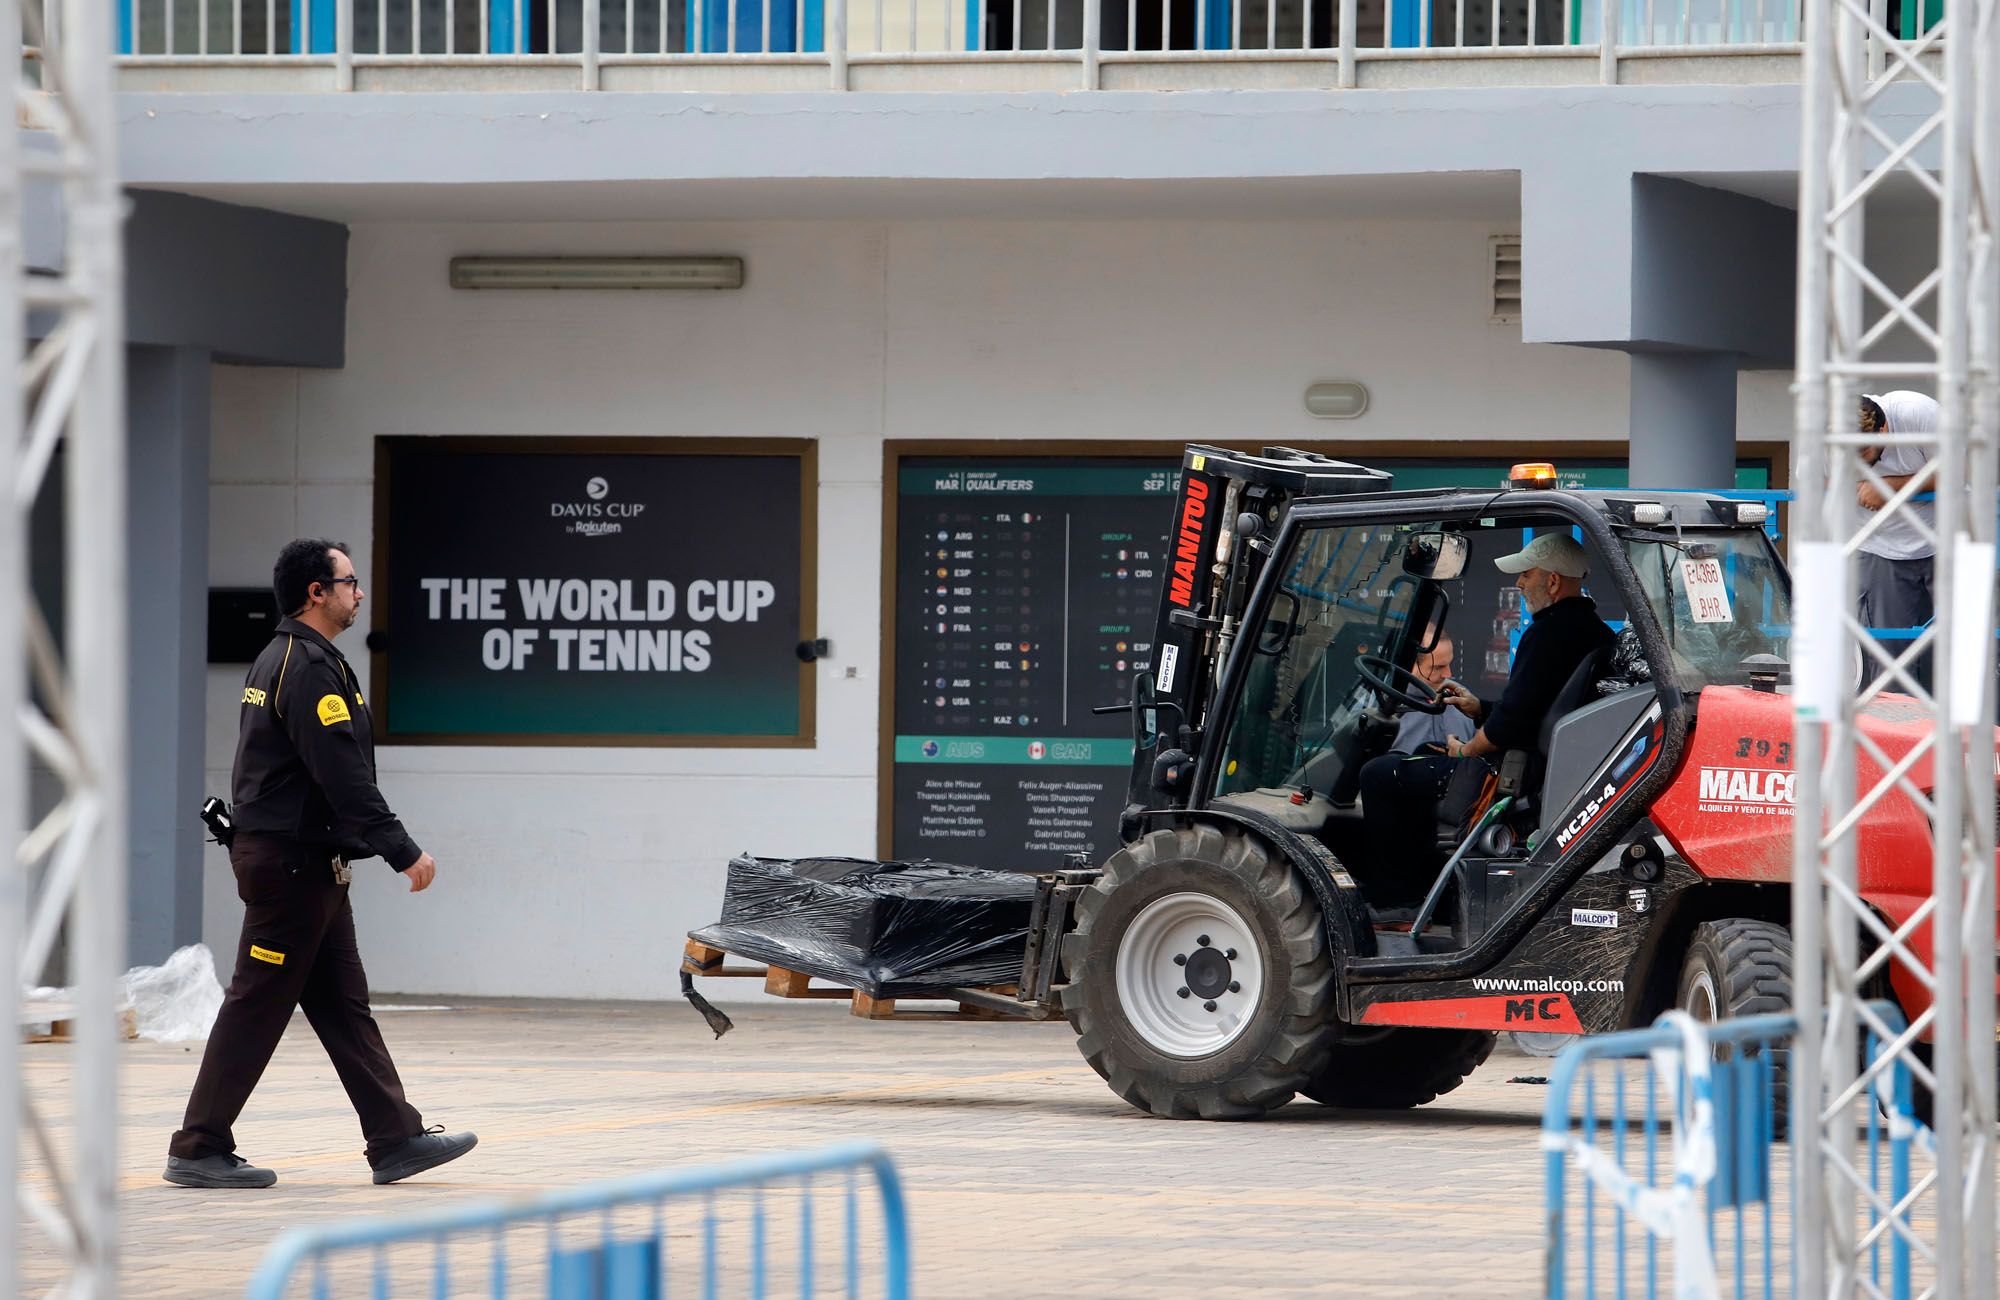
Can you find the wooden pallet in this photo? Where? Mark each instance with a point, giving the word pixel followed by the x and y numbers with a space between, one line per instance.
pixel 702 959
pixel 60 1018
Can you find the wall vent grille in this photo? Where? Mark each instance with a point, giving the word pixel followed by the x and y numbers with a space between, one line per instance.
pixel 1504 262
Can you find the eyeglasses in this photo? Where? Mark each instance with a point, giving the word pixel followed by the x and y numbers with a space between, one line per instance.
pixel 354 582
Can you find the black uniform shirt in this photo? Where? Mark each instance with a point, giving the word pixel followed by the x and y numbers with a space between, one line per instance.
pixel 1557 640
pixel 305 756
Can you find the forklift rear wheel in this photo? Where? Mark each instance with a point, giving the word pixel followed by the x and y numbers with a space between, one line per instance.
pixel 1736 968
pixel 1740 967
pixel 1199 980
pixel 1399 1068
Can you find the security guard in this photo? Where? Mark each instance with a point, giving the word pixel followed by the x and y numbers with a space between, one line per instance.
pixel 306 807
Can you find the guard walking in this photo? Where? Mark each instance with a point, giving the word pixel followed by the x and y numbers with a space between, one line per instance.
pixel 306 808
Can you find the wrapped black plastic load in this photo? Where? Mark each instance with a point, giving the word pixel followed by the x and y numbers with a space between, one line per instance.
pixel 890 929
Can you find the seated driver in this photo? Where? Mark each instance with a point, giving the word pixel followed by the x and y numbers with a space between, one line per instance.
pixel 1423 734
pixel 1399 804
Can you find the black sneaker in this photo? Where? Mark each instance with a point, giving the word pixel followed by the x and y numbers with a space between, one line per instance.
pixel 217 1171
pixel 427 1150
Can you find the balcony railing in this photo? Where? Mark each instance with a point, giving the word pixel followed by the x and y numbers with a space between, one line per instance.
pixel 1101 43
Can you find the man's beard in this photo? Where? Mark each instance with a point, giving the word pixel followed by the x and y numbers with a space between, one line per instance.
pixel 347 620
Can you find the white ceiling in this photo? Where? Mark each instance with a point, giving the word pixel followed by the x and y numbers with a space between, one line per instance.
pixel 1899 195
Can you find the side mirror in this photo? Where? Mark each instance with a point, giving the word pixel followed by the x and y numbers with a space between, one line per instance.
pixel 1145 717
pixel 1439 557
pixel 1277 632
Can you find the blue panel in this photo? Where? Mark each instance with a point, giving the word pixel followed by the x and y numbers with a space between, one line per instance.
pixel 124 25
pixel 714 33
pixel 1408 23
pixel 500 26
pixel 321 22
pixel 1215 36
pixel 632 1270
pixel 1742 1160
pixel 621 1270
pixel 573 1274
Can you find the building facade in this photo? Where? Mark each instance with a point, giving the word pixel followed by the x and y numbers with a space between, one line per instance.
pixel 1087 231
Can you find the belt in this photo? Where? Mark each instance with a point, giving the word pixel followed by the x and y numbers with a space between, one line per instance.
pixel 343 871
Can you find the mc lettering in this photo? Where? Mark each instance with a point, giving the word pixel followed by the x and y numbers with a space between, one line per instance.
pixel 1520 1009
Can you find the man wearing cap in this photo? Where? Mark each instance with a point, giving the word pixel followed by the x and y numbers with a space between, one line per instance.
pixel 1564 630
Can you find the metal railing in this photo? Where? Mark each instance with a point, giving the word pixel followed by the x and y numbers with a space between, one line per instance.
pixel 592 35
pixel 786 1224
pixel 1664 1157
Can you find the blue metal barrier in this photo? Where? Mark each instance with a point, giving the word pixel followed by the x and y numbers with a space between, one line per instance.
pixel 642 1238
pixel 1673 1129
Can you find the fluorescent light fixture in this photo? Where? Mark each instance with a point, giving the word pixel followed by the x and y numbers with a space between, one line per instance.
pixel 597 273
pixel 1341 399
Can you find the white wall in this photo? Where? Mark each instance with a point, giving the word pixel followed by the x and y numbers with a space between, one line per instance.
pixel 576 873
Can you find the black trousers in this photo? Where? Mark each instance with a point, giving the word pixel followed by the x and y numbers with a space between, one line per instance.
pixel 1399 802
pixel 1896 593
pixel 297 950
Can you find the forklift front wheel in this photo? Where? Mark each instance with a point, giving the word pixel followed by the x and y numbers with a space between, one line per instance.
pixel 1200 984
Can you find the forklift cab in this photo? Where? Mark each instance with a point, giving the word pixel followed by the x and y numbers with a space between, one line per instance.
pixel 1354 589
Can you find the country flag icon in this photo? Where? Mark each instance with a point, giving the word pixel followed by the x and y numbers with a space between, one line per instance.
pixel 930 749
pixel 1036 749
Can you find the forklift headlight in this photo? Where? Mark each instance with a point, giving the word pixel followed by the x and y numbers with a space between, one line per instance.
pixel 1739 512
pixel 1649 512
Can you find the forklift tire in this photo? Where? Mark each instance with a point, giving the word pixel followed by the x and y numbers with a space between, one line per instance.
pixel 1736 968
pixel 1399 1068
pixel 1742 968
pixel 1200 984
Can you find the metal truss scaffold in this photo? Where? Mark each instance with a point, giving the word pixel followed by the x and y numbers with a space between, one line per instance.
pixel 1889 121
pixel 63 409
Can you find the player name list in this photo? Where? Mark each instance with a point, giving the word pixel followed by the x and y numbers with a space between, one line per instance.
pixel 1026 593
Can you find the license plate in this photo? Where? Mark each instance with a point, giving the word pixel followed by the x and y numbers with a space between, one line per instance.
pixel 1708 598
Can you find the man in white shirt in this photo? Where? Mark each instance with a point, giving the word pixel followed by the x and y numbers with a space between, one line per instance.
pixel 1896 558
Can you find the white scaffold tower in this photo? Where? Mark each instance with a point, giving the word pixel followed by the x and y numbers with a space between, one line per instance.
pixel 1894 120
pixel 63 410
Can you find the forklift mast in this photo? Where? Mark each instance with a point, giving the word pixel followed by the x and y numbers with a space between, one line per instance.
pixel 1225 521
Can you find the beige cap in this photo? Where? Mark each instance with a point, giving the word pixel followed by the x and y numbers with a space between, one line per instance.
pixel 1553 552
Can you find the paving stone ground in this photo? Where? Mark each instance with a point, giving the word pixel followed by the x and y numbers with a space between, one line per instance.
pixel 1026 1176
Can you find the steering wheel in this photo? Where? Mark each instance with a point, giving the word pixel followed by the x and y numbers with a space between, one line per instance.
pixel 1399 685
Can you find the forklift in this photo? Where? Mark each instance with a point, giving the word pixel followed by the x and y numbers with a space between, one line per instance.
pixel 1250 940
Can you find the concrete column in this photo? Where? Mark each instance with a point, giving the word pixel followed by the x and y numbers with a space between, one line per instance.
pixel 1683 419
pixel 168 418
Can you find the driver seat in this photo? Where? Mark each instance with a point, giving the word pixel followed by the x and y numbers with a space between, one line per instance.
pixel 1578 691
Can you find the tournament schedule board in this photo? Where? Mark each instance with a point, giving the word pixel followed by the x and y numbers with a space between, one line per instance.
pixel 1025 592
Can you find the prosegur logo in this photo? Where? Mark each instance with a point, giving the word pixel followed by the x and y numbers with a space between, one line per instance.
pixel 598 516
